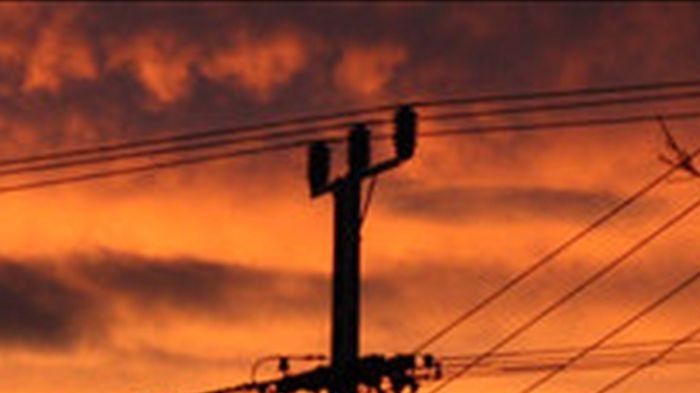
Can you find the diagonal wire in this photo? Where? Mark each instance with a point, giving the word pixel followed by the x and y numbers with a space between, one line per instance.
pixel 685 284
pixel 649 362
pixel 590 280
pixel 547 258
pixel 368 201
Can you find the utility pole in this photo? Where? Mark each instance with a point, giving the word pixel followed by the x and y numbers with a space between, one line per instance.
pixel 347 202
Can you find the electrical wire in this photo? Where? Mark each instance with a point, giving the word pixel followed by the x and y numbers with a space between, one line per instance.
pixel 566 106
pixel 189 136
pixel 552 125
pixel 590 280
pixel 109 153
pixel 549 257
pixel 505 367
pixel 547 94
pixel 368 199
pixel 649 362
pixel 145 143
pixel 683 285
pixel 153 167
pixel 623 346
pixel 531 127
pixel 74 163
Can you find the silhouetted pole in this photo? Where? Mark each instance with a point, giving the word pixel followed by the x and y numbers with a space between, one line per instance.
pixel 346 263
pixel 347 200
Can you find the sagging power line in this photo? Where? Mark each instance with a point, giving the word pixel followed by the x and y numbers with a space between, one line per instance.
pixel 300 143
pixel 216 138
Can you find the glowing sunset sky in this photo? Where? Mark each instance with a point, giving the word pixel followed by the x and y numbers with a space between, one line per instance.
pixel 167 281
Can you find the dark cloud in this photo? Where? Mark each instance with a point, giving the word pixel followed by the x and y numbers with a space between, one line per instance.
pixel 76 303
pixel 58 308
pixel 501 203
pixel 202 287
pixel 131 55
pixel 38 308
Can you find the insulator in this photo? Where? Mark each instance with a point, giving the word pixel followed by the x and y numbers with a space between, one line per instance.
pixel 359 148
pixel 319 166
pixel 405 124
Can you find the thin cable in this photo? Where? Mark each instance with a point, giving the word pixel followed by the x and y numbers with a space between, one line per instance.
pixel 463 131
pixel 66 159
pixel 555 93
pixel 74 158
pixel 163 151
pixel 313 130
pixel 541 126
pixel 153 167
pixel 444 360
pixel 46 161
pixel 566 106
pixel 595 361
pixel 144 143
pixel 574 292
pixel 368 198
pixel 685 284
pixel 506 370
pixel 547 258
pixel 650 362
pixel 182 137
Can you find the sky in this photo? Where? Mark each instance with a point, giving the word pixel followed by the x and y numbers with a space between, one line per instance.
pixel 177 281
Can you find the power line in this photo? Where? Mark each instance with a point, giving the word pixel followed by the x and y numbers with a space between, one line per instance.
pixel 623 346
pixel 506 366
pixel 595 122
pixel 152 167
pixel 531 127
pixel 536 95
pixel 590 280
pixel 649 362
pixel 685 284
pixel 144 143
pixel 80 157
pixel 160 151
pixel 549 257
pixel 541 126
pixel 565 106
pixel 546 94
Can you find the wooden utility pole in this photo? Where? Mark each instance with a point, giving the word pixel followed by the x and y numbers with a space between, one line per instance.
pixel 347 199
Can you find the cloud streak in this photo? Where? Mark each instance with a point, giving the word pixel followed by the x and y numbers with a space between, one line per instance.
pixel 454 203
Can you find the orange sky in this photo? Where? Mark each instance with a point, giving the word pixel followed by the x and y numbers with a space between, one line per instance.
pixel 166 282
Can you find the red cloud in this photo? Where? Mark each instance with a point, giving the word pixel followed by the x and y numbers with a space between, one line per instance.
pixel 61 52
pixel 159 61
pixel 258 65
pixel 365 70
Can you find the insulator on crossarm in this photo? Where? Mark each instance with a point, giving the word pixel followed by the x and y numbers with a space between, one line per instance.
pixel 319 166
pixel 405 124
